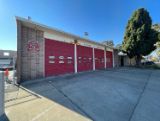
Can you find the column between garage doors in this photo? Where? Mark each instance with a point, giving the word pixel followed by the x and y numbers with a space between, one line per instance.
pixel 93 59
pixel 105 58
pixel 75 56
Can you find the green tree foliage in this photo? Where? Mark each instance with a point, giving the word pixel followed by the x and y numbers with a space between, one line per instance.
pixel 156 27
pixel 119 47
pixel 139 38
pixel 158 44
pixel 158 53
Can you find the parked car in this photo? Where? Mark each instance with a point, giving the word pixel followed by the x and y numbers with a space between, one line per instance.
pixel 148 63
pixel 6 64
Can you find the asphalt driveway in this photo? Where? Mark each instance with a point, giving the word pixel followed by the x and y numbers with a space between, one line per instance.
pixel 125 94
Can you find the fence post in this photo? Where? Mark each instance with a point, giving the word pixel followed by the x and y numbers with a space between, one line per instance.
pixel 1 94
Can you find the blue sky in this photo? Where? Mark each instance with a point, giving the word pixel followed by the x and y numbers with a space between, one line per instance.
pixel 102 19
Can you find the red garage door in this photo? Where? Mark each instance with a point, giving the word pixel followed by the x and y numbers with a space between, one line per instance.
pixel 59 57
pixel 99 58
pixel 84 58
pixel 109 59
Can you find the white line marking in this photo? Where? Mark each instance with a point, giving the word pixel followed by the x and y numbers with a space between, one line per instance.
pixel 45 111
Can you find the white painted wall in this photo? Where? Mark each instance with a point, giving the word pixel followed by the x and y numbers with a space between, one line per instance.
pixel 64 38
pixel 1 94
pixel 90 44
pixel 109 49
pixel 59 37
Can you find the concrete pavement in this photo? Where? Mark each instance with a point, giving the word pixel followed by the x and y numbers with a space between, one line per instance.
pixel 126 94
pixel 31 107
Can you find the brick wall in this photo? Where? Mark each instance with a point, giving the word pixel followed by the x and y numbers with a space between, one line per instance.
pixel 31 56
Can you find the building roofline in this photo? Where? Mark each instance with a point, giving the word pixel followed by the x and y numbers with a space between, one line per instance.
pixel 57 30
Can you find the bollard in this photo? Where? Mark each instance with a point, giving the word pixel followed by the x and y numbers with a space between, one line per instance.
pixel 1 95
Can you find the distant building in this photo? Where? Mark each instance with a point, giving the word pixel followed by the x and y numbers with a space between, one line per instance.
pixel 8 53
pixel 121 59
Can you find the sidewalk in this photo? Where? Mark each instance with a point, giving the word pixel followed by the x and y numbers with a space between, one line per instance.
pixel 31 107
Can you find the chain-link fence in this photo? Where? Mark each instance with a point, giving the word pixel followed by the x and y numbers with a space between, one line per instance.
pixel 11 86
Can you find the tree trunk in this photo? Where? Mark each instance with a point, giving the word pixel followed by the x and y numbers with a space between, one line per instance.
pixel 138 60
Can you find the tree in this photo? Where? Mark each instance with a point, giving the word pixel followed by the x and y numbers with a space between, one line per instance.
pixel 119 47
pixel 157 44
pixel 154 59
pixel 158 50
pixel 156 27
pixel 139 38
pixel 109 43
pixel 158 53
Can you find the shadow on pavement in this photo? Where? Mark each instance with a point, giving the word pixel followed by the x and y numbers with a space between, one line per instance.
pixel 51 89
pixel 4 118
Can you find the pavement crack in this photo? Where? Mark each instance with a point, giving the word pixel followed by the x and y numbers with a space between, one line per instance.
pixel 140 96
pixel 77 106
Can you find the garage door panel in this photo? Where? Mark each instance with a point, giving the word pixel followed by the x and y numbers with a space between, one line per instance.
pixel 109 59
pixel 58 57
pixel 99 59
pixel 84 58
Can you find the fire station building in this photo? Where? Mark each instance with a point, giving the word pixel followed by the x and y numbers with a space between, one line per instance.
pixel 44 51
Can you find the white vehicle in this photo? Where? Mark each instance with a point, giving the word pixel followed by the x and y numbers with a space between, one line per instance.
pixel 6 63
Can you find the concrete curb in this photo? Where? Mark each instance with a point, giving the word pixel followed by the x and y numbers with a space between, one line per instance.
pixel 64 76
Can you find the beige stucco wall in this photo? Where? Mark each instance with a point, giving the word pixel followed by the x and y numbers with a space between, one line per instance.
pixel 127 60
pixel 130 62
pixel 116 58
